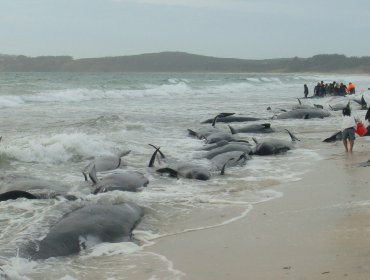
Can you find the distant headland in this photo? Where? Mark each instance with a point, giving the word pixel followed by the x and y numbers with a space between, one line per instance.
pixel 187 63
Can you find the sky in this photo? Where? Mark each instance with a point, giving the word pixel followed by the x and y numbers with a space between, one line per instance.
pixel 247 29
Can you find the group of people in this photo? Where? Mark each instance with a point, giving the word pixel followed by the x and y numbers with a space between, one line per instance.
pixel 333 89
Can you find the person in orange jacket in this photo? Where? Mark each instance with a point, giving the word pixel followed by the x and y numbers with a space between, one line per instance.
pixel 351 89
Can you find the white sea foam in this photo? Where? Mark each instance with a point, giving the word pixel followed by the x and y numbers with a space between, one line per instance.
pixel 58 147
pixel 10 101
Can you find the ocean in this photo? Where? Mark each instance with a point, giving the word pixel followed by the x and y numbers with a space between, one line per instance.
pixel 53 124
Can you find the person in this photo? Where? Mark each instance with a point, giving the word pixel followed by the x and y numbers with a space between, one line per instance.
pixel 348 129
pixel 305 91
pixel 351 88
pixel 367 116
pixel 316 90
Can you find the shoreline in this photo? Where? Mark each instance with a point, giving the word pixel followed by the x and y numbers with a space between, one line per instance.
pixel 318 229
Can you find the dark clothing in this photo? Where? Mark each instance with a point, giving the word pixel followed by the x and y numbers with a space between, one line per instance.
pixel 305 91
pixel 367 117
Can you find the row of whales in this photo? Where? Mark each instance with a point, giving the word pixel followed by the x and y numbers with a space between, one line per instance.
pixel 114 223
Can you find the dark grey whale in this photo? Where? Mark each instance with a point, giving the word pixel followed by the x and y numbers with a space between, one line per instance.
pixel 219 136
pixel 90 224
pixel 229 119
pixel 229 159
pixel 131 181
pixel 105 163
pixel 252 128
pixel 15 195
pixel 180 169
pixel 38 188
pixel 304 114
pixel 203 132
pixel 231 146
pixel 273 146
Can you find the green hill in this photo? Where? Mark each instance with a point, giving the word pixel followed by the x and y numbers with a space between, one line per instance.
pixel 185 62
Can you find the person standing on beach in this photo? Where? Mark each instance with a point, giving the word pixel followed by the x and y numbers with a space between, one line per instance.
pixel 305 91
pixel 348 129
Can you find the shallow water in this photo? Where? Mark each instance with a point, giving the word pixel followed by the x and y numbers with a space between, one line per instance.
pixel 53 124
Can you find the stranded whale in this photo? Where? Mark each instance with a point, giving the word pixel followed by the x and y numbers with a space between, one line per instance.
pixel 88 226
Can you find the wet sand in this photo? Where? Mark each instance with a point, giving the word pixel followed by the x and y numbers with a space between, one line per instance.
pixel 319 229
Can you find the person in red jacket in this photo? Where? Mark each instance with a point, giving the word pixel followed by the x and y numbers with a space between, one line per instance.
pixel 351 88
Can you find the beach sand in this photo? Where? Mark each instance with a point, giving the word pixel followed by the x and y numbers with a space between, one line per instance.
pixel 318 229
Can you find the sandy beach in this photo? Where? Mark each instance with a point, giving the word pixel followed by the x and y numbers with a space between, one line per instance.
pixel 318 229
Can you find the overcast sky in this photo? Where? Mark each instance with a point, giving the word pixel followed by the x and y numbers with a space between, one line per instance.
pixel 252 29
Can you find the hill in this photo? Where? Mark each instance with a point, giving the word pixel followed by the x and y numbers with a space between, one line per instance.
pixel 185 62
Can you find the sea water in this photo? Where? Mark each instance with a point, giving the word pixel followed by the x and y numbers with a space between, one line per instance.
pixel 53 124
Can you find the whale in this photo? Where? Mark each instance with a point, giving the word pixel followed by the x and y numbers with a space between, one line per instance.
pixel 178 169
pixel 273 146
pixel 232 118
pixel 131 181
pixel 12 195
pixel 88 226
pixel 304 114
pixel 252 128
pixel 364 164
pixel 229 159
pixel 26 186
pixel 203 132
pixel 231 146
pixel 104 163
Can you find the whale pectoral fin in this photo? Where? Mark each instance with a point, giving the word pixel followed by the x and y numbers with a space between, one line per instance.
pixel 299 101
pixel 170 171
pixel 331 108
pixel 255 140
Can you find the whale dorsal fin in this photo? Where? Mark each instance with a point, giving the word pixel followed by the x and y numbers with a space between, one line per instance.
pixel 193 133
pixel 92 174
pixel 266 125
pixel 224 166
pixel 124 153
pixel 292 136
pixel 232 130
